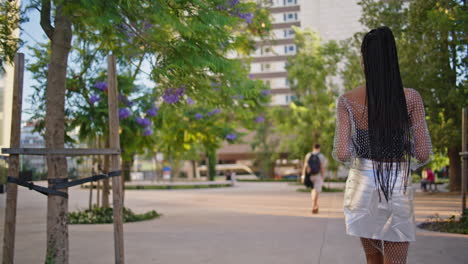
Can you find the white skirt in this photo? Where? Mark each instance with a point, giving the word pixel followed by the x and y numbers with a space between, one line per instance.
pixel 368 217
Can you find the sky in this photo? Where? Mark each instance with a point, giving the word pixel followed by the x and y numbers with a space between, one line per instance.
pixel 31 34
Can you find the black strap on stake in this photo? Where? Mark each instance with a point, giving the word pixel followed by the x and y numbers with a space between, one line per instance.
pixel 37 188
pixel 61 183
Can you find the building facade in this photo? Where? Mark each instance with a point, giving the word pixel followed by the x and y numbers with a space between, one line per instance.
pixel 331 19
pixel 6 100
pixel 32 139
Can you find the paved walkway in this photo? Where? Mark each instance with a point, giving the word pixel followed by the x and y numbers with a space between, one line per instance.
pixel 251 223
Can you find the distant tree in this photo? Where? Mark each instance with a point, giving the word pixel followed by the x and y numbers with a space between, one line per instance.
pixel 310 118
pixel 9 23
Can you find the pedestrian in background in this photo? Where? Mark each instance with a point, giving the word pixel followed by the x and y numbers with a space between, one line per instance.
pixel 314 168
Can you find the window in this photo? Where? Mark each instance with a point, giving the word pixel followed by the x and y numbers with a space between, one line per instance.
pixel 286 82
pixel 265 50
pixel 266 67
pixel 288 33
pixel 289 49
pixel 289 2
pixel 290 98
pixel 289 17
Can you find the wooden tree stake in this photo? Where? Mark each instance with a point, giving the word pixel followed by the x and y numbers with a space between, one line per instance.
pixel 114 142
pixel 13 163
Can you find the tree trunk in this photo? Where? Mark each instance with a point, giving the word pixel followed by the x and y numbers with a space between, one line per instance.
pixel 454 169
pixel 105 183
pixel 57 207
pixel 194 169
pixel 211 156
pixel 267 167
pixel 126 169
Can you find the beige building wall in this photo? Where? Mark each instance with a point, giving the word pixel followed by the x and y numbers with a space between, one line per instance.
pixel 6 100
pixel 332 19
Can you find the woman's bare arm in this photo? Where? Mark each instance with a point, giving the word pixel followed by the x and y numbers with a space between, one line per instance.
pixel 422 140
pixel 341 149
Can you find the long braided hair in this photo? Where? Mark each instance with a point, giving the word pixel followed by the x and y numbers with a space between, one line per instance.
pixel 388 120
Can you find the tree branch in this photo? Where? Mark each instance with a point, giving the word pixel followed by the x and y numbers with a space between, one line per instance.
pixel 45 19
pixel 137 70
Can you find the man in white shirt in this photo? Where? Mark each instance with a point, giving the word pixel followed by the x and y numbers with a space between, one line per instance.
pixel 314 167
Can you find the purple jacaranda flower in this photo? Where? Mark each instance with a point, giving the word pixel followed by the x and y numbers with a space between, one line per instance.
pixel 147 131
pixel 129 103
pixel 233 3
pixel 231 136
pixel 124 113
pixel 247 16
pixel 126 30
pixel 147 25
pixel 259 119
pixel 238 97
pixel 101 86
pixel 215 111
pixel 251 76
pixel 143 121
pixel 172 95
pixel 190 101
pixel 94 99
pixel 152 111
pixel 198 116
pixel 265 92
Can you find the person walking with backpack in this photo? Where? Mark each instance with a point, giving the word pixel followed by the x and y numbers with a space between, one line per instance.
pixel 314 169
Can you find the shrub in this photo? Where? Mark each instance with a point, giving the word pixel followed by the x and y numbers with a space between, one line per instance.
pixel 450 225
pixel 324 189
pixel 101 215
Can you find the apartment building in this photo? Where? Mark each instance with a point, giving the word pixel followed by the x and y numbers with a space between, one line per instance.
pixel 332 19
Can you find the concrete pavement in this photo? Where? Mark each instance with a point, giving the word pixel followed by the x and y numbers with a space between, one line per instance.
pixel 256 223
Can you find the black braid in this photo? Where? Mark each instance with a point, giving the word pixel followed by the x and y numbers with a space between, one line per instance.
pixel 389 124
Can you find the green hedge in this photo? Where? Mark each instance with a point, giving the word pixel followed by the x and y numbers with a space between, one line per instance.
pixel 324 189
pixel 100 215
pixel 453 224
pixel 288 180
pixel 174 187
pixel 266 180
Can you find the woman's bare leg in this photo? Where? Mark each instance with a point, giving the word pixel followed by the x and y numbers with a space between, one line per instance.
pixel 314 194
pixel 373 250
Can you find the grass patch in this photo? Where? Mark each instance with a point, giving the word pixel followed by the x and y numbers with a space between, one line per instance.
pixel 288 180
pixel 174 187
pixel 266 180
pixel 453 224
pixel 100 215
pixel 335 179
pixel 324 189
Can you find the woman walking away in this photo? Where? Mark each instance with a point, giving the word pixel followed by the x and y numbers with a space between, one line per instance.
pixel 382 135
